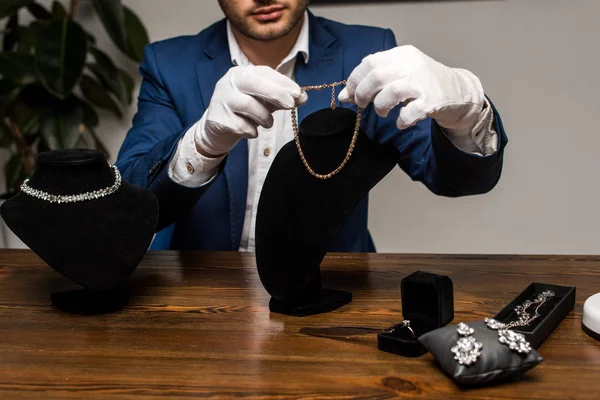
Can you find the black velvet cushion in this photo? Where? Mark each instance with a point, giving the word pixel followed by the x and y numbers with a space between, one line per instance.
pixel 496 362
pixel 299 215
pixel 95 243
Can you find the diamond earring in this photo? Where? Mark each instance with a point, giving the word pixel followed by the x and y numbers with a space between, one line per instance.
pixel 467 349
pixel 515 341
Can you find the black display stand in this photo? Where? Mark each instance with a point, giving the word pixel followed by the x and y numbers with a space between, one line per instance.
pixel 299 215
pixel 96 243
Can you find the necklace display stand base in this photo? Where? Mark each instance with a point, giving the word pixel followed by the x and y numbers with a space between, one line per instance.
pixel 299 215
pixel 90 302
pixel 315 300
pixel 95 243
pixel 327 300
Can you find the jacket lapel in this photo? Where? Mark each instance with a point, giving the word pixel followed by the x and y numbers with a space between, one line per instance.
pixel 325 65
pixel 210 70
pixel 216 62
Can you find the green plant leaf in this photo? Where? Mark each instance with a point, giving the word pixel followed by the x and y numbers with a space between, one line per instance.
pixel 8 7
pixel 90 117
pixel 49 136
pixel 6 138
pixel 60 56
pixel 31 103
pixel 38 11
pixel 63 127
pixel 29 36
pixel 43 146
pixel 114 86
pixel 8 91
pixel 129 85
pixel 96 95
pixel 103 59
pixel 90 38
pixel 32 138
pixel 35 96
pixel 14 173
pixel 32 126
pixel 112 16
pixel 71 127
pixel 21 114
pixel 137 36
pixel 12 34
pixel 108 74
pixel 6 87
pixel 58 11
pixel 17 67
pixel 58 122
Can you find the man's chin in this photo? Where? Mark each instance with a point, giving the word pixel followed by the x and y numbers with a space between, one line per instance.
pixel 268 32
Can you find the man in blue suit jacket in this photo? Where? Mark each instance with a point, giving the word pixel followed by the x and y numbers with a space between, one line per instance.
pixel 214 108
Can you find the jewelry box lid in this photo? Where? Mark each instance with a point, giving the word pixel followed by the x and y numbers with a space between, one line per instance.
pixel 427 299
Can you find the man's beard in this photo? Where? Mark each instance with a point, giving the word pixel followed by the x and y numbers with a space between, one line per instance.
pixel 241 23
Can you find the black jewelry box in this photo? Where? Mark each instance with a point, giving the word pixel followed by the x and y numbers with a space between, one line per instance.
pixel 428 303
pixel 552 312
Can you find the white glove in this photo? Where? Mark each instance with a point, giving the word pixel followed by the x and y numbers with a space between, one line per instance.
pixel 244 99
pixel 453 97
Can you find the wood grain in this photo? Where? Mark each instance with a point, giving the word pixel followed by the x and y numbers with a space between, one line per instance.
pixel 198 325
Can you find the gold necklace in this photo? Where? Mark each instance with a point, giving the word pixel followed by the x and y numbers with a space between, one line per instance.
pixel 297 138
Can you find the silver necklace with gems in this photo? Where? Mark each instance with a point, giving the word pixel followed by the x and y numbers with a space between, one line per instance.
pixel 73 198
pixel 516 341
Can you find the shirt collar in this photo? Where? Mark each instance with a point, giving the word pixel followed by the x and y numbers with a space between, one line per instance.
pixel 300 47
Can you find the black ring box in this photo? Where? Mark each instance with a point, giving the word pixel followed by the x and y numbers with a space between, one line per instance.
pixel 428 303
pixel 552 312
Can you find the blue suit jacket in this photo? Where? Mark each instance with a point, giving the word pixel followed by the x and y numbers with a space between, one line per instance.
pixel 179 76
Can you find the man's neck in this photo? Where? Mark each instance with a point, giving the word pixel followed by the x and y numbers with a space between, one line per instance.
pixel 267 52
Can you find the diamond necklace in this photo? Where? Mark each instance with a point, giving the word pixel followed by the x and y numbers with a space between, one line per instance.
pixel 516 341
pixel 73 198
pixel 524 318
pixel 352 142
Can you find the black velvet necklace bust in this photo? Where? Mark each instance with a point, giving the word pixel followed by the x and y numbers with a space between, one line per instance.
pixel 96 243
pixel 299 215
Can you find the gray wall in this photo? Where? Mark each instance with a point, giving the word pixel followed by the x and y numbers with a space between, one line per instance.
pixel 537 59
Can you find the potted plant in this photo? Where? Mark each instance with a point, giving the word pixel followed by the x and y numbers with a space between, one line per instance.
pixel 53 77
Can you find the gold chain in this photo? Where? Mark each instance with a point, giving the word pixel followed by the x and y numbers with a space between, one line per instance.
pixel 352 143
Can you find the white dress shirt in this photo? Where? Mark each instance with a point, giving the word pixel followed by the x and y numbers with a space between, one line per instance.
pixel 190 168
pixel 262 150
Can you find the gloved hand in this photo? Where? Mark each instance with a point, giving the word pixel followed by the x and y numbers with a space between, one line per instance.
pixel 244 99
pixel 453 97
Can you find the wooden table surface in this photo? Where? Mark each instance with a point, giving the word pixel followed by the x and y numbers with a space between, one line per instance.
pixel 198 325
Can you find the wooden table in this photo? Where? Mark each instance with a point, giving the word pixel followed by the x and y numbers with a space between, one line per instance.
pixel 198 325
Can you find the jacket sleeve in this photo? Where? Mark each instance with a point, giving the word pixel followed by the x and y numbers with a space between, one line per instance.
pixel 428 156
pixel 152 142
